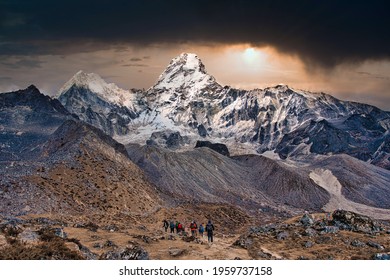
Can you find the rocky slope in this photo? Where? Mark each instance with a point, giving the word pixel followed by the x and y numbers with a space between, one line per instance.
pixel 360 182
pixel 343 235
pixel 253 182
pixel 81 173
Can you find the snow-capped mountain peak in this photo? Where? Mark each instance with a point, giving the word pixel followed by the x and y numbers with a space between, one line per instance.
pixel 185 72
pixel 187 100
pixel 93 82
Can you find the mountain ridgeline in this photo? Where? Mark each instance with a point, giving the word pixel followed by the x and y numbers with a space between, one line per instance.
pixel 93 172
pixel 186 100
pixel 112 153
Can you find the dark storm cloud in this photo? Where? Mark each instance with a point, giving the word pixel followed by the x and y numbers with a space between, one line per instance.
pixel 23 63
pixel 324 32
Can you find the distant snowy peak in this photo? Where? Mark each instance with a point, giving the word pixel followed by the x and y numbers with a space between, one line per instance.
pixel 185 72
pixel 106 91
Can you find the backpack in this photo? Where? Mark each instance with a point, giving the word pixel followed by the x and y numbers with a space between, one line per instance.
pixel 209 227
pixel 180 226
pixel 201 228
pixel 172 225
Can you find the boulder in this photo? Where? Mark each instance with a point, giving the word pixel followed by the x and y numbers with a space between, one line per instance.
pixel 263 229
pixel 357 243
pixel 310 232
pixel 188 238
pixel 29 237
pixel 175 252
pixel 382 256
pixel 60 233
pixel 218 147
pixel 347 220
pixel 330 229
pixel 144 238
pixel 307 220
pixel 264 255
pixel 375 245
pixel 308 244
pixel 282 235
pixel 243 242
pixel 129 253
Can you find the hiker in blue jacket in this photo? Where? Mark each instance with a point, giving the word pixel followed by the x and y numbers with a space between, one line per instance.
pixel 201 230
pixel 172 226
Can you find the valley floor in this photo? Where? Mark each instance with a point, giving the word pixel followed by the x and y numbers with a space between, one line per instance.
pixel 291 239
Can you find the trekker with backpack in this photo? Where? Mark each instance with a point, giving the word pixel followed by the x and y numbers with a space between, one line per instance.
pixel 172 226
pixel 177 227
pixel 165 225
pixel 201 230
pixel 180 228
pixel 210 229
pixel 193 227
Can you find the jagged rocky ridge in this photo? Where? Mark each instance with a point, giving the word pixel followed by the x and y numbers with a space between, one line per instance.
pixel 189 101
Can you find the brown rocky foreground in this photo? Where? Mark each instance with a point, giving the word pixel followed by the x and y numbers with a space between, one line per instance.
pixel 343 236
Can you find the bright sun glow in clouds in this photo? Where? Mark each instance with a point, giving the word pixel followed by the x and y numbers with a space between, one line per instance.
pixel 251 56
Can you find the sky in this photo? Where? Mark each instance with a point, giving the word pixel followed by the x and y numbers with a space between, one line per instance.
pixel 333 46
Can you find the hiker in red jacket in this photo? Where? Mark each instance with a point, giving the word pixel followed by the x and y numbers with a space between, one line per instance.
pixel 180 228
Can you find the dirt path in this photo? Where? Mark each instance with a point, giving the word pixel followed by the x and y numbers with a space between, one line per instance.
pixel 325 179
pixel 161 245
pixel 220 249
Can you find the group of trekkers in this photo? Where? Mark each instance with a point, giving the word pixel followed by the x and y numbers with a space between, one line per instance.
pixel 179 227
